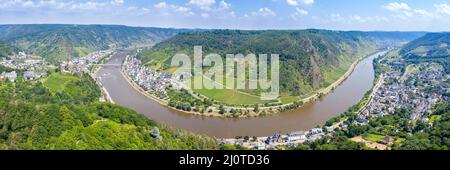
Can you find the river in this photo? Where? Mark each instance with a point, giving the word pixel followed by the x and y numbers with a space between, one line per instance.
pixel 309 116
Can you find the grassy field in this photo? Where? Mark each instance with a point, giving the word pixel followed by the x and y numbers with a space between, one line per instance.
pixel 373 137
pixel 247 96
pixel 434 118
pixel 250 97
pixel 289 99
pixel 332 75
pixel 231 96
pixel 412 69
pixel 56 82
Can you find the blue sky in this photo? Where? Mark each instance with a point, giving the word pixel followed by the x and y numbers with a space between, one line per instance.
pixel 406 15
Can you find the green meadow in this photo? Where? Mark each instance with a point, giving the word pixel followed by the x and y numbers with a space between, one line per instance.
pixel 56 82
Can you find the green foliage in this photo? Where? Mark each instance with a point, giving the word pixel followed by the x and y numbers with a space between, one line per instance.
pixel 432 138
pixel 6 50
pixel 33 117
pixel 5 69
pixel 57 82
pixel 337 142
pixel 300 52
pixel 184 101
pixel 433 47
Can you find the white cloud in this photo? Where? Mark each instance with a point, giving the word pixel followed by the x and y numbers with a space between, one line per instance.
pixel 299 13
pixel 88 5
pixel 232 14
pixel 204 15
pixel 292 2
pixel 136 11
pixel 224 6
pixel 357 18
pixel 297 2
pixel 424 13
pixel 161 5
pixel 117 2
pixel 175 8
pixel 66 5
pixel 335 15
pixel 396 6
pixel 264 12
pixel 30 4
pixel 181 9
pixel 308 2
pixel 443 9
pixel 203 4
pixel 338 18
pixel 404 11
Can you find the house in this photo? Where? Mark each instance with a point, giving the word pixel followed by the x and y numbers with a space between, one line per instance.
pixel 102 99
pixel 260 146
pixel 344 124
pixel 12 76
pixel 31 75
pixel 388 140
pixel 295 136
pixel 315 132
pixel 330 128
pixel 362 120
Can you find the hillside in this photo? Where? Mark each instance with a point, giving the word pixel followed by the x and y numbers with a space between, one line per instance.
pixel 6 50
pixel 40 116
pixel 433 47
pixel 310 59
pixel 393 39
pixel 60 42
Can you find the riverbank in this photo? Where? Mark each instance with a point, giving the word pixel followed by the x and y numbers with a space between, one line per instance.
pixel 214 110
pixel 160 101
pixel 305 118
pixel 284 140
pixel 94 74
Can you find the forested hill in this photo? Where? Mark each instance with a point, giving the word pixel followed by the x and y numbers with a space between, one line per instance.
pixel 310 58
pixel 60 42
pixel 6 49
pixel 393 39
pixel 434 47
pixel 61 112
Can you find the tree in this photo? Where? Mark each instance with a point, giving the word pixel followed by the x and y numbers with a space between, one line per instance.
pixel 256 108
pixel 221 110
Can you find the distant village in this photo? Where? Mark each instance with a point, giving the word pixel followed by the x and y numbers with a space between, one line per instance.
pixel 84 64
pixel 34 68
pixel 148 79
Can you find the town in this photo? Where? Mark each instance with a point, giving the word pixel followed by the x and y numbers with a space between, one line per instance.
pixel 417 89
pixel 148 79
pixel 33 67
pixel 410 91
pixel 86 64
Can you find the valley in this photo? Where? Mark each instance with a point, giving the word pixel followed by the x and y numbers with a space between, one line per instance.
pixel 336 89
